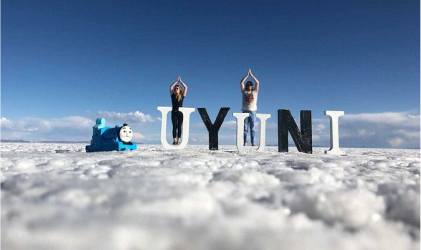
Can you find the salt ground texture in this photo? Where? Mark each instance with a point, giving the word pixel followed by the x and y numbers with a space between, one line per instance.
pixel 56 196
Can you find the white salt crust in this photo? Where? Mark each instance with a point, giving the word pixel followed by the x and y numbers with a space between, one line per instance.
pixel 56 196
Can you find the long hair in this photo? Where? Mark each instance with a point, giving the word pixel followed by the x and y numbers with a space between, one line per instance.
pixel 180 95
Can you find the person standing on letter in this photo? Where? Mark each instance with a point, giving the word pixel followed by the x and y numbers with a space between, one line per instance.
pixel 177 98
pixel 249 105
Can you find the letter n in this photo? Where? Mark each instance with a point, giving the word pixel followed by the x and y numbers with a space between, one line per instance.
pixel 303 140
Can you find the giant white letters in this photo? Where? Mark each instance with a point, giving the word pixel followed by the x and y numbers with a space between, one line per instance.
pixel 334 132
pixel 240 131
pixel 286 123
pixel 186 125
pixel 263 118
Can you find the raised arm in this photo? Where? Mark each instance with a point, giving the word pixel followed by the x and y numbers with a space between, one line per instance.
pixel 243 80
pixel 173 84
pixel 255 80
pixel 185 87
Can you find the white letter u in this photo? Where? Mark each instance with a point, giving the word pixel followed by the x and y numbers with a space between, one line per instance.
pixel 240 130
pixel 186 125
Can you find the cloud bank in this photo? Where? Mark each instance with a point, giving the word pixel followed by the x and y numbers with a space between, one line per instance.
pixel 132 117
pixel 398 130
pixel 395 130
pixel 72 128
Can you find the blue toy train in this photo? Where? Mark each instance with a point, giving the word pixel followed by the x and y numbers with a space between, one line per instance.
pixel 109 139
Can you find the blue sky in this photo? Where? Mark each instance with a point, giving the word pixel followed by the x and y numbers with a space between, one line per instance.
pixel 67 59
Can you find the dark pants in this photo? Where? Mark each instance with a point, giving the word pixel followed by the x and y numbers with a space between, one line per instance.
pixel 177 121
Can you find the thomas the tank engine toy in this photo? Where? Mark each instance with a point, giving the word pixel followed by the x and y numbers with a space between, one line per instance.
pixel 109 139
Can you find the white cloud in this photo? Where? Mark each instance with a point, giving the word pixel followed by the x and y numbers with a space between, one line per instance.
pixel 73 128
pixel 372 130
pixel 396 142
pixel 231 125
pixel 138 136
pixel 389 118
pixel 132 117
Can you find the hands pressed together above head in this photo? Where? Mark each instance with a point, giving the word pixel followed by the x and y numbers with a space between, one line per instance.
pixel 252 76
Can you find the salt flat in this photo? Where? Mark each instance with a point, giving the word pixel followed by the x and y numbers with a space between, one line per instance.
pixel 56 196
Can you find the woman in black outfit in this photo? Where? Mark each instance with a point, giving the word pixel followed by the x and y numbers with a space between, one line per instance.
pixel 177 98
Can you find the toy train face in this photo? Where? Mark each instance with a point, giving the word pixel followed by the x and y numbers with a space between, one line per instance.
pixel 109 139
pixel 125 134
